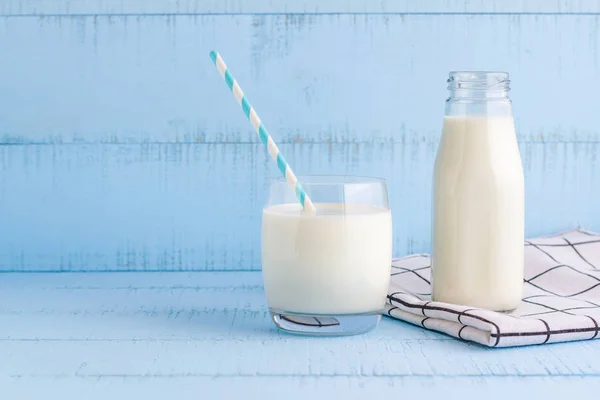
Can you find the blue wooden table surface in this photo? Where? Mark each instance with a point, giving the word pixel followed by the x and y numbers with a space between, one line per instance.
pixel 131 186
pixel 207 335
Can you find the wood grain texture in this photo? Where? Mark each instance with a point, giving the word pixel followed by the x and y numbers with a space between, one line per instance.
pixel 198 206
pixel 312 78
pixel 301 388
pixel 145 7
pixel 99 334
pixel 121 149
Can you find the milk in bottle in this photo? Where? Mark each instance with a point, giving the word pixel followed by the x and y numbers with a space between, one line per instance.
pixel 478 197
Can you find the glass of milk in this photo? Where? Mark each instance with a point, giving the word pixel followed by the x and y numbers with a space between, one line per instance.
pixel 478 200
pixel 327 273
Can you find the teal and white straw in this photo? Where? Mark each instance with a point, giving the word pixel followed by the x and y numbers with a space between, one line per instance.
pixel 264 136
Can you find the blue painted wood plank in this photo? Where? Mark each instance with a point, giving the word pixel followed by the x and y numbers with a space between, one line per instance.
pixel 367 357
pixel 316 78
pixel 123 333
pixel 198 206
pixel 119 7
pixel 301 388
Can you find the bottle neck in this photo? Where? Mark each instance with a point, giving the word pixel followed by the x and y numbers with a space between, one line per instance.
pixel 478 93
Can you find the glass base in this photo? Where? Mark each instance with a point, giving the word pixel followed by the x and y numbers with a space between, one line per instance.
pixel 325 325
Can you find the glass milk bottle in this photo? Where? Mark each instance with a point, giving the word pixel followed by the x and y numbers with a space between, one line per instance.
pixel 478 197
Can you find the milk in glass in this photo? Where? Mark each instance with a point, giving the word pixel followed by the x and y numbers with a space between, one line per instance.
pixel 328 272
pixel 335 262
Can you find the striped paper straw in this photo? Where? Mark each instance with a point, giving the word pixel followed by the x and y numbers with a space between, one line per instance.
pixel 263 134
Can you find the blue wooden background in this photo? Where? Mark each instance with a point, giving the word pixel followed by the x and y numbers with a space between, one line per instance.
pixel 121 148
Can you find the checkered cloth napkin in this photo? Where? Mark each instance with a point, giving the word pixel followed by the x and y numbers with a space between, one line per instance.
pixel 561 300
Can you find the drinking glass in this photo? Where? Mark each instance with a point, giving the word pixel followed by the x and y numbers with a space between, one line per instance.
pixel 327 273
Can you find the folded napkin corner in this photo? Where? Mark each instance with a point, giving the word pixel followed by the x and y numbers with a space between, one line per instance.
pixel 561 297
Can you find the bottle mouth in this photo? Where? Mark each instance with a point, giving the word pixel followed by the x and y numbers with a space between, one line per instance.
pixel 478 80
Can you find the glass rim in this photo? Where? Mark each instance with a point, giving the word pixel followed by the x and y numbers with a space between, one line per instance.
pixel 458 73
pixel 495 84
pixel 331 179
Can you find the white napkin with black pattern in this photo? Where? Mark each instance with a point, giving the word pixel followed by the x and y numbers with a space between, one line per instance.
pixel 561 300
